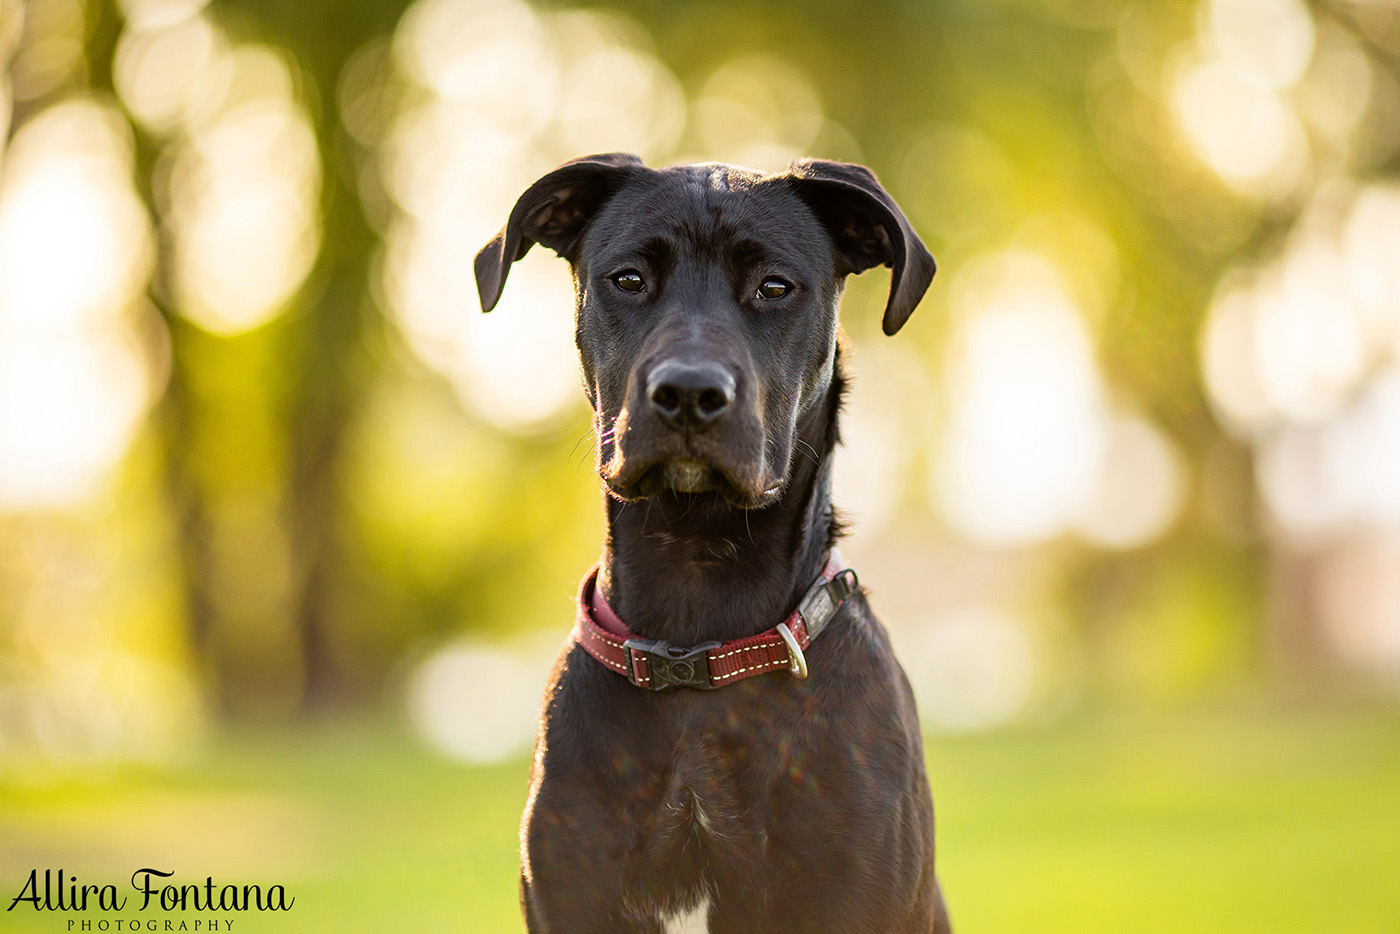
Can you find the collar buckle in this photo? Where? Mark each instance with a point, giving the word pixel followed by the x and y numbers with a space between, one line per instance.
pixel 670 666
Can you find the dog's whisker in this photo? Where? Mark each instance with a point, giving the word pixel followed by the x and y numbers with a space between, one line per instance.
pixel 574 450
pixel 809 451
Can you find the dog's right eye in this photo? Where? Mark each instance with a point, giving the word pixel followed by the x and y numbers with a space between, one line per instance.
pixel 630 281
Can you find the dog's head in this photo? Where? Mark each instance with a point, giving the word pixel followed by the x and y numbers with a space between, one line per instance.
pixel 706 306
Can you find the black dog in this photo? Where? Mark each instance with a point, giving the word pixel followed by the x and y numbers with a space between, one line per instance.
pixel 707 328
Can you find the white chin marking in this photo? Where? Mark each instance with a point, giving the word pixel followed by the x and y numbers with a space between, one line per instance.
pixel 694 921
pixel 687 476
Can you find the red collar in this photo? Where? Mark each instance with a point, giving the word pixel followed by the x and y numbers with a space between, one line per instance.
pixel 658 665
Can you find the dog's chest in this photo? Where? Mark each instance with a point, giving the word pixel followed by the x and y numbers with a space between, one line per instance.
pixel 695 920
pixel 680 835
pixel 693 825
pixel 699 805
pixel 703 812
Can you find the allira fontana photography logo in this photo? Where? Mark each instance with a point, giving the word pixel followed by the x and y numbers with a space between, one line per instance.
pixel 150 892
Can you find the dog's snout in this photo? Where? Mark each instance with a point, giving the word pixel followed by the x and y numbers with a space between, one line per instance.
pixel 690 395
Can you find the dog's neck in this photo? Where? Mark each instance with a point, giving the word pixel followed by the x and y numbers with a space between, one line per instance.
pixel 690 568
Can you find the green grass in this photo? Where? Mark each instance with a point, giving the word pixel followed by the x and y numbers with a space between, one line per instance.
pixel 1239 822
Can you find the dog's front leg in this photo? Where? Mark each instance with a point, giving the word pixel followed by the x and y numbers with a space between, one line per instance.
pixel 566 902
pixel 575 862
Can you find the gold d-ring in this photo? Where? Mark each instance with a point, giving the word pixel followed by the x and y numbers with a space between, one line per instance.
pixel 797 661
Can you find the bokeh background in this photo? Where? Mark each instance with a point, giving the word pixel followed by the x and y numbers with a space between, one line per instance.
pixel 289 530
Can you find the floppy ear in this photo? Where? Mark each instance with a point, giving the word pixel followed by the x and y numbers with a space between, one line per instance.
pixel 868 229
pixel 552 212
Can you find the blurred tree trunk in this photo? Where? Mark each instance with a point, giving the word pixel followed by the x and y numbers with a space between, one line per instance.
pixel 176 411
pixel 323 350
pixel 327 350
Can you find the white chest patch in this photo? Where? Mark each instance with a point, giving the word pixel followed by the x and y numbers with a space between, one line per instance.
pixel 694 921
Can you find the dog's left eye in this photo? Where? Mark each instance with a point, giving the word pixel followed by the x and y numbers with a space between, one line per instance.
pixel 773 288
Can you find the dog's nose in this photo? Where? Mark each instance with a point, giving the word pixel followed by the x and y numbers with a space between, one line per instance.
pixel 690 395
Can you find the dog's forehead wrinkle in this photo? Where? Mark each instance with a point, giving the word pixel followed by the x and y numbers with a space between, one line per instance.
pixel 715 176
pixel 711 209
